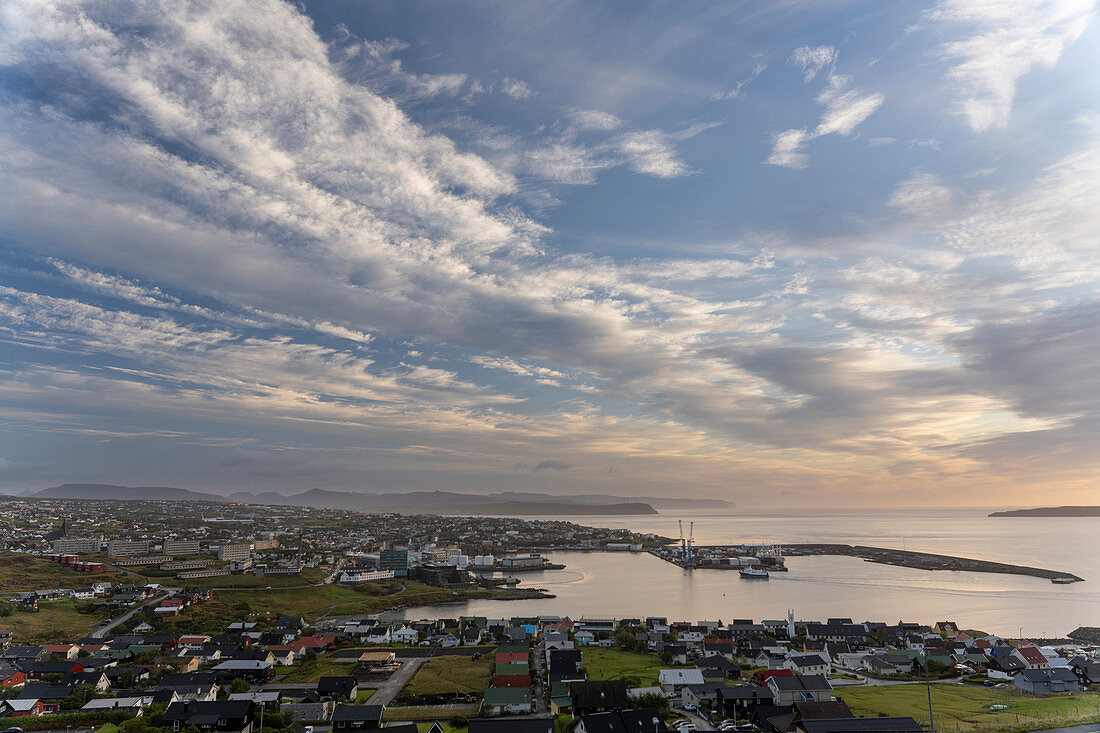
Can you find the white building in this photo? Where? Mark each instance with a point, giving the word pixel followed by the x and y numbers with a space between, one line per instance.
pixel 237 551
pixel 180 547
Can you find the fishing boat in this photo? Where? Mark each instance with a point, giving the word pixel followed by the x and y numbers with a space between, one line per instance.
pixel 754 573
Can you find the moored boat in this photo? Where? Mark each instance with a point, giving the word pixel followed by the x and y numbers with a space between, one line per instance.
pixel 754 573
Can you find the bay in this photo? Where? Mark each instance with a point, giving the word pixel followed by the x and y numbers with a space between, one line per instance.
pixel 638 584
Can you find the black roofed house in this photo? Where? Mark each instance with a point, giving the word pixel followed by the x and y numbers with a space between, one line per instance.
pixel 800 688
pixel 1087 670
pixel 174 679
pixel 694 695
pixel 808 664
pixel 94 677
pixel 51 695
pixel 677 652
pixel 25 654
pixel 253 669
pixel 1046 681
pixel 289 622
pixel 622 721
pixel 598 697
pixel 11 675
pixel 564 661
pixel 356 717
pixel 331 687
pixel 789 721
pixel 1005 667
pixel 718 668
pixel 219 715
pixel 740 701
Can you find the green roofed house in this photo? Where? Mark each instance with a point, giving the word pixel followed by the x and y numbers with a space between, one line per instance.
pixel 512 668
pixel 507 700
pixel 561 702
pixel 479 621
pixel 513 649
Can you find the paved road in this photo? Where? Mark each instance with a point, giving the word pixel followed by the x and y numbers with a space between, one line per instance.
pixel 102 631
pixel 387 691
pixel 700 722
pixel 538 689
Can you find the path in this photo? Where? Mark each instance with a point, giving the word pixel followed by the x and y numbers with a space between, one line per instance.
pixel 700 722
pixel 387 691
pixel 100 632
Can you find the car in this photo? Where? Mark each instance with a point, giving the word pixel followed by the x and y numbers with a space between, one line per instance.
pixel 686 727
pixel 308 728
pixel 13 729
pixel 988 683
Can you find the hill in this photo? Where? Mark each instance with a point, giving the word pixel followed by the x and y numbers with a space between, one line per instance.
pixel 422 502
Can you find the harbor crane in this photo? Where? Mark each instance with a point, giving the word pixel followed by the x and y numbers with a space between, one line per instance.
pixel 686 542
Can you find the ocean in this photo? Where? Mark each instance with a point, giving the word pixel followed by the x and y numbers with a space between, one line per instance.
pixel 630 584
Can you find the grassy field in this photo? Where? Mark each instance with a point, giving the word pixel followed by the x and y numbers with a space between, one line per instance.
pixel 26 572
pixel 427 715
pixel 308 576
pixel 315 669
pixel 54 623
pixel 964 708
pixel 638 669
pixel 314 601
pixel 451 673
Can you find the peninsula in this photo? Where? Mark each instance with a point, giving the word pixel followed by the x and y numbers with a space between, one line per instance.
pixel 1051 511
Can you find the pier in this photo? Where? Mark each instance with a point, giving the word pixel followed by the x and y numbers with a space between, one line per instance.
pixel 709 557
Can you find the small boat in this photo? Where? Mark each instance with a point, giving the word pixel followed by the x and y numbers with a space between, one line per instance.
pixel 754 573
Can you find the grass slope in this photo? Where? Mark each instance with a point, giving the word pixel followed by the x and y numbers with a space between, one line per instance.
pixel 638 669
pixel 55 622
pixel 967 709
pixel 451 673
pixel 20 572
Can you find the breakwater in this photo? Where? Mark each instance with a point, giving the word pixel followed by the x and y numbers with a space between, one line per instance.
pixel 887 556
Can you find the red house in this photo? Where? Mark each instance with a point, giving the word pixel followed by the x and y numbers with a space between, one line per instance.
pixel 761 677
pixel 21 708
pixel 11 677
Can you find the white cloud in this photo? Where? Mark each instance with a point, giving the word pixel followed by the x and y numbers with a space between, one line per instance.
pixel 1006 40
pixel 739 88
pixel 787 149
pixel 651 152
pixel 515 88
pixel 812 59
pixel 594 119
pixel 922 194
pixel 845 110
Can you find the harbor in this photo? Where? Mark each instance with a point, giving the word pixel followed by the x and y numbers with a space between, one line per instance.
pixel 762 558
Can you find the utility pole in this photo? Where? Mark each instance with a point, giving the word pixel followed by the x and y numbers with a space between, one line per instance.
pixel 928 687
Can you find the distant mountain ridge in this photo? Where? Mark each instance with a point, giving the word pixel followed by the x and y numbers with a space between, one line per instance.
pixel 1051 511
pixel 425 502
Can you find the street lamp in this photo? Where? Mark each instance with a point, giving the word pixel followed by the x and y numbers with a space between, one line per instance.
pixel 656 723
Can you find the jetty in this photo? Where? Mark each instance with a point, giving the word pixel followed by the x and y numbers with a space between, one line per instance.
pixel 716 556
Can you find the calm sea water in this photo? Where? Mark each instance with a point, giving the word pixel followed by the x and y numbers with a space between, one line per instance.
pixel 615 584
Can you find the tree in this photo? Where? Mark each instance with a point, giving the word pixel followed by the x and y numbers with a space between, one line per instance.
pixel 240 685
pixel 5 609
pixel 666 657
pixel 459 721
pixel 650 700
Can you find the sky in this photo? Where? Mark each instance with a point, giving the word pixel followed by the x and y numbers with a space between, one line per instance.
pixel 787 254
